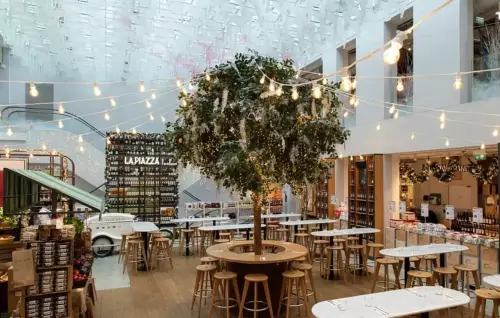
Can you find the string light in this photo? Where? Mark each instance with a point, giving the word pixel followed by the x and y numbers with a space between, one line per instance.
pixel 392 109
pixel 54 152
pixel 80 139
pixel 442 118
pixel 356 102
pixel 117 129
pixel 134 131
pixel 442 125
pixel 295 93
pixel 351 158
pixel 178 82
pixel 148 103
pixel 378 126
pixel 33 90
pixel 97 90
pixel 346 113
pixel 317 92
pixel 458 82
pixel 361 157
pixel 412 136
pixel 325 81
pixel 495 132
pixel 142 89
pixel 151 117
pixel 60 109
pixel 184 102
pixel 400 87
pixel 297 75
pixel 81 148
pixel 352 100
pixel 9 131
pixel 354 83
pixel 272 88
pixel 279 91
pixel 106 115
pixel 482 146
pixel 341 156
pixel 391 55
pixel 191 87
pixel 207 77
pixel 153 93
pixel 396 114
pixel 162 119
pixel 44 147
pixel 112 101
pixel 184 91
pixel 346 84
pixel 60 124
pixel 262 79
pixel 447 157
pixel 447 143
pixel 31 155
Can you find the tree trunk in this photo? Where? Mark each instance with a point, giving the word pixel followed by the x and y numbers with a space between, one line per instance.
pixel 257 239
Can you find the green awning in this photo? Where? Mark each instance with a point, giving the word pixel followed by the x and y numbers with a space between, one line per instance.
pixel 55 184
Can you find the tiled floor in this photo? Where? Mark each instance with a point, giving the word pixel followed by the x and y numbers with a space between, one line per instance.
pixel 108 273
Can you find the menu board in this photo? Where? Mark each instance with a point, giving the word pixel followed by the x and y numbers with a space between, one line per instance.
pixel 402 206
pixel 477 215
pixel 424 210
pixel 449 212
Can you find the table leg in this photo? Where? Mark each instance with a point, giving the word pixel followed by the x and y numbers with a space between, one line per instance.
pixel 407 268
pixel 321 226
pixel 142 265
pixel 360 241
pixel 331 273
pixel 424 315
pixel 441 264
pixel 217 234
pixel 187 240
pixel 248 234
pixel 295 230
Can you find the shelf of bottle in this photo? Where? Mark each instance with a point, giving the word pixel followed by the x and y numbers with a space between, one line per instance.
pixel 111 177
pixel 174 188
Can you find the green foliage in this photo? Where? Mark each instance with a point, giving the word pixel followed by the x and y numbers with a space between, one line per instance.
pixel 249 143
pixel 78 225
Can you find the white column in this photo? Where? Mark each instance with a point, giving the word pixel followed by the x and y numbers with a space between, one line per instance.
pixel 391 184
pixel 442 44
pixel 341 175
pixel 332 61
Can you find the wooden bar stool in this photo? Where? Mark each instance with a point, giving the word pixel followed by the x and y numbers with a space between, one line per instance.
pixel 302 230
pixel 123 245
pixel 225 236
pixel 373 249
pixel 223 301
pixel 184 235
pixel 291 278
pixel 135 254
pixel 415 260
pixel 271 231
pixel 463 272
pixel 220 241
pixel 203 285
pixel 386 262
pixel 176 235
pixel 319 245
pixel 482 295
pixel 207 260
pixel 205 241
pixel 256 279
pixel 313 229
pixel 441 274
pixel 418 276
pixel 282 234
pixel 307 269
pixel 430 261
pixel 302 239
pixel 357 251
pixel 250 234
pixel 196 237
pixel 334 260
pixel 161 252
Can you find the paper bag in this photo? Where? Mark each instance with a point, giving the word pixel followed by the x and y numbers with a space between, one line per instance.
pixel 23 268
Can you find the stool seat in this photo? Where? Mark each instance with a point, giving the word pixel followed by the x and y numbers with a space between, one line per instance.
pixel 225 275
pixel 220 241
pixel 355 247
pixel 420 274
pixel 206 268
pixel 432 257
pixel 482 296
pixel 338 240
pixel 465 268
pixel 293 274
pixel 208 259
pixel 488 294
pixel 187 231
pixel 335 248
pixel 320 242
pixel 387 261
pixel 256 277
pixel 300 259
pixel 375 245
pixel 301 235
pixel 302 266
pixel 445 270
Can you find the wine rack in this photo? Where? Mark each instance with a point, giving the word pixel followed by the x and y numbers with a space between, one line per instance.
pixel 463 222
pixel 141 177
pixel 322 200
pixel 366 193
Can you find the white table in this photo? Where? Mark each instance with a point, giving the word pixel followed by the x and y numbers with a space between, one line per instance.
pixel 188 222
pixel 394 303
pixel 492 280
pixel 422 250
pixel 224 227
pixel 144 228
pixel 275 216
pixel 358 231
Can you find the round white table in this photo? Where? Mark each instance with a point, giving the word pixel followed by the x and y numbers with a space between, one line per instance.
pixel 492 280
pixel 188 222
pixel 246 227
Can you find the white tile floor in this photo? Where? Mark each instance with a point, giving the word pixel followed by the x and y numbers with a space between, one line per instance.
pixel 108 273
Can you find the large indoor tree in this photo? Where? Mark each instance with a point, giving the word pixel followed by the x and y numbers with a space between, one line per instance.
pixel 249 133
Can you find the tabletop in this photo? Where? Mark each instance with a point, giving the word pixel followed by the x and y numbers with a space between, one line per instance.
pixel 492 280
pixel 421 250
pixel 229 227
pixel 193 220
pixel 358 231
pixel 225 252
pixel 307 222
pixel 275 216
pixel 394 303
pixel 144 227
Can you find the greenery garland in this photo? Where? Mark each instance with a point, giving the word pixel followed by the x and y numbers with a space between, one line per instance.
pixel 406 170
pixel 485 176
pixel 444 173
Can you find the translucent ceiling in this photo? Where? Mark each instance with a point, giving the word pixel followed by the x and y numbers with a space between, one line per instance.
pixel 98 40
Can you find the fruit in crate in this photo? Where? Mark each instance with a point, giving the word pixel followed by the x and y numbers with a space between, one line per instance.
pixel 77 276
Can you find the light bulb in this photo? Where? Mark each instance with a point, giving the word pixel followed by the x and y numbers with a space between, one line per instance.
pixel 272 88
pixel 60 109
pixel 184 102
pixel 60 124
pixel 112 102
pixel 97 90
pixel 297 75
pixel 400 87
pixel 495 132
pixel 162 119
pixel 447 143
pixel 191 87
pixel 396 114
pixel 81 148
pixel 9 131
pixel 31 155
pixel 346 84
pixel 178 82
pixel 354 83
pixel 142 89
pixel 184 91
pixel 148 104
pixel 458 82
pixel 392 109
pixel 352 100
pixel 346 113
pixel 44 147
pixel 325 81
pixel 295 93
pixel 207 77
pixel 341 156
pixel 54 152
pixel 317 92
pixel 279 91
pixel 412 136
pixel 482 146
pixel 262 79
pixel 378 126
pixel 33 90
pixel 7 155
pixel 106 116
pixel 442 118
pixel 356 102
pixel 447 158
pixel 442 125
pixel 117 129
pixel 361 157
pixel 134 131
pixel 391 55
pixel 80 139
pixel 151 117
pixel 153 93
pixel 351 158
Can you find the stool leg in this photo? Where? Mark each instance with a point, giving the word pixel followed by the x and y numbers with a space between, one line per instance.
pixel 236 290
pixel 243 297
pixel 311 281
pixel 409 282
pixel 145 258
pixel 122 246
pixel 289 295
pixel 215 294
pixel 196 285
pixel 226 283
pixel 268 298
pixel 125 258
pixel 375 276
pixel 304 292
pixel 495 308
pixel 282 293
pixel 181 247
pixel 255 298
pixel 476 280
pixel 396 277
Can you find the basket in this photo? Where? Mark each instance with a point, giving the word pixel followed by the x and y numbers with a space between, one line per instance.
pixel 6 239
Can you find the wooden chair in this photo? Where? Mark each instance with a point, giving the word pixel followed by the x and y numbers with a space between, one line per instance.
pixel 291 278
pixel 282 234
pixel 255 279
pixel 123 245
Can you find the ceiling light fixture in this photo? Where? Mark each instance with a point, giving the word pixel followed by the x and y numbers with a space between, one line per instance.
pixel 391 55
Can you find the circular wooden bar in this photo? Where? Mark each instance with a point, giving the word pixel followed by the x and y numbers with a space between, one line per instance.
pixel 273 262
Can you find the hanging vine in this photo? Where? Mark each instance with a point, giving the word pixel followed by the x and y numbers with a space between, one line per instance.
pixel 444 173
pixel 406 170
pixel 482 175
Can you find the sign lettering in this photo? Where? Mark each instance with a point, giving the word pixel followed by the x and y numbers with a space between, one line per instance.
pixel 142 161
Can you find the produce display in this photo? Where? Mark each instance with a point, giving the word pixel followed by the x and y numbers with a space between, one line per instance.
pixel 82 266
